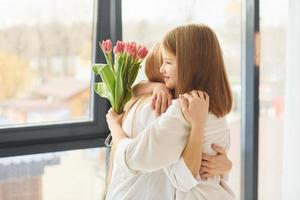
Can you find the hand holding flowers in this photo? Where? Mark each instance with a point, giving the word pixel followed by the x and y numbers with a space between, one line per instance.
pixel 118 75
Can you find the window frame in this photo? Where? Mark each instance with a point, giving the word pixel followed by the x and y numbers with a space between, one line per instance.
pixel 250 99
pixel 71 135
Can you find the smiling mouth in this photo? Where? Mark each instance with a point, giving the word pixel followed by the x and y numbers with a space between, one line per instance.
pixel 166 77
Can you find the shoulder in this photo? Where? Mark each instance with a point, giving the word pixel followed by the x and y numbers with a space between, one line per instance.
pixel 213 120
pixel 174 112
pixel 216 124
pixel 145 112
pixel 174 108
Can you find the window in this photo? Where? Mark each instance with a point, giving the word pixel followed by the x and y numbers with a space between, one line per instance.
pixel 56 172
pixel 46 99
pixel 45 67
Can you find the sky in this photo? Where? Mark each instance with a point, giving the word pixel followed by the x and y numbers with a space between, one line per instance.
pixel 14 12
pixel 30 12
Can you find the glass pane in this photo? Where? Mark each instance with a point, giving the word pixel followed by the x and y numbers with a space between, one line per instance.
pixel 45 59
pixel 279 100
pixel 54 176
pixel 148 26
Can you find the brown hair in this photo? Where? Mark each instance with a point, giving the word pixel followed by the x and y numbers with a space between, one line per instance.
pixel 153 62
pixel 200 65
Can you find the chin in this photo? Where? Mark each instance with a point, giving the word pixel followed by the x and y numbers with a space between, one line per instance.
pixel 170 85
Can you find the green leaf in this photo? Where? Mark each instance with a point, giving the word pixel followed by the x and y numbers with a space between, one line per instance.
pixel 133 73
pixel 109 59
pixel 128 96
pixel 119 90
pixel 121 62
pixel 101 90
pixel 97 67
pixel 108 77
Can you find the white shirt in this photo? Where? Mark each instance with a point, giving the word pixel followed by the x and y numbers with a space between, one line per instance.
pixel 149 166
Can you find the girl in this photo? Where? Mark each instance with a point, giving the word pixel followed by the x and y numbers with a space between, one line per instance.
pixel 149 161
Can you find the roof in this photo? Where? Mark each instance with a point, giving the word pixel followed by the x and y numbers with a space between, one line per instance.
pixel 61 87
pixel 26 105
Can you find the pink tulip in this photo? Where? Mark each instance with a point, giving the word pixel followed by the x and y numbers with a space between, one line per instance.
pixel 106 46
pixel 126 47
pixel 142 52
pixel 119 48
pixel 132 49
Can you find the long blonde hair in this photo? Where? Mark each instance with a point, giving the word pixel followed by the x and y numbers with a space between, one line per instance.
pixel 153 63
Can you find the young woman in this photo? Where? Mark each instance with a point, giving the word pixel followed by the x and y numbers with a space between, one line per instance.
pixel 192 60
pixel 161 99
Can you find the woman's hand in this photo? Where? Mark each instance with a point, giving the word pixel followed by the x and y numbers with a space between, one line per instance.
pixel 195 107
pixel 215 165
pixel 161 98
pixel 114 121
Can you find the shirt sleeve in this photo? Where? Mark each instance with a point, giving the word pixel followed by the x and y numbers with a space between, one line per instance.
pixel 160 144
pixel 180 176
pixel 119 157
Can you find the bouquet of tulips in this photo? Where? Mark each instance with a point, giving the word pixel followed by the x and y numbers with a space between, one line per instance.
pixel 120 71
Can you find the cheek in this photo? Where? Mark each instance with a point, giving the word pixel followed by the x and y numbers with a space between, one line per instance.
pixel 175 75
pixel 173 81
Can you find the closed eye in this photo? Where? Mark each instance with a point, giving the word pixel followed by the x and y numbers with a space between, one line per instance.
pixel 167 62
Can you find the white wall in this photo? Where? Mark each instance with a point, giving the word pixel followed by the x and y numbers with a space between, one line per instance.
pixel 291 153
